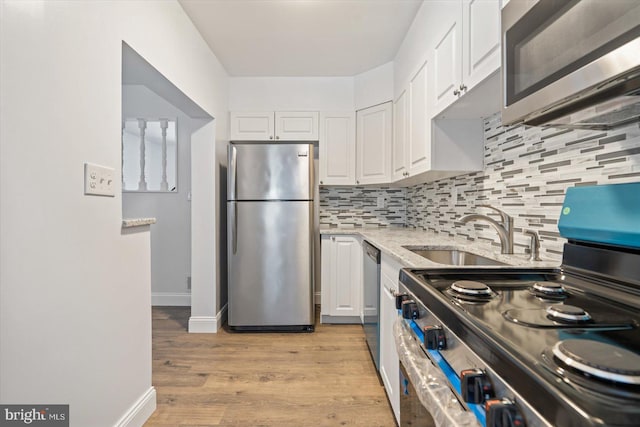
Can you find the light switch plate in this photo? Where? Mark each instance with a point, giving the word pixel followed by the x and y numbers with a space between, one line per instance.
pixel 98 180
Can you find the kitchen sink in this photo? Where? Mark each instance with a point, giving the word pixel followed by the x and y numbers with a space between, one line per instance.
pixel 452 256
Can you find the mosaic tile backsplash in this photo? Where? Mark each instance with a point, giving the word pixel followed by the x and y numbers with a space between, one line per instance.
pixel 527 171
pixel 358 206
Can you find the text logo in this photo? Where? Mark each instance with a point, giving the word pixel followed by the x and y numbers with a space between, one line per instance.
pixel 34 415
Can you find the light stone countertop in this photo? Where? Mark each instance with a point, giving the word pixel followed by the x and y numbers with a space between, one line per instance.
pixel 391 242
pixel 137 222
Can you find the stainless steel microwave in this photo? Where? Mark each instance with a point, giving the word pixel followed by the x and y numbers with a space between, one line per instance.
pixel 571 63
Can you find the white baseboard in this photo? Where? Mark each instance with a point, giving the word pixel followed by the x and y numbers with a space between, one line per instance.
pixel 171 299
pixel 140 412
pixel 207 324
pixel 316 299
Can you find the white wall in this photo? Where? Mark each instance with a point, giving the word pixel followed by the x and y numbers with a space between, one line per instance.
pixel 171 235
pixel 75 321
pixel 374 86
pixel 291 93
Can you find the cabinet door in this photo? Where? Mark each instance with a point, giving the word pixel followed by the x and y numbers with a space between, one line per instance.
pixel 337 148
pixel 400 127
pixel 419 123
pixel 296 126
pixel 251 126
pixel 481 44
pixel 389 364
pixel 447 56
pixel 373 144
pixel 341 276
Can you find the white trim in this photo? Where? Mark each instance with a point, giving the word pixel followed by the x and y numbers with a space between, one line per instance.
pixel 316 299
pixel 346 320
pixel 171 299
pixel 208 324
pixel 140 412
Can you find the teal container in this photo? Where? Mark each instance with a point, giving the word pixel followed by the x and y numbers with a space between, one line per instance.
pixel 608 214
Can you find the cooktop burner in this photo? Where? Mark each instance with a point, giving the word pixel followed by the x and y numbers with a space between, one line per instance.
pixel 470 290
pixel 550 290
pixel 567 313
pixel 600 360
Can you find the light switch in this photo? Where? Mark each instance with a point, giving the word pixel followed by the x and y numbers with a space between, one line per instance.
pixel 98 180
pixel 381 202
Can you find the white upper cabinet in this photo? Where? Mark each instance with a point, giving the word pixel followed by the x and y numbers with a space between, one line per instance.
pixel 467 49
pixel 481 49
pixel 447 55
pixel 296 126
pixel 251 126
pixel 269 125
pixel 337 148
pixel 419 123
pixel 373 144
pixel 400 140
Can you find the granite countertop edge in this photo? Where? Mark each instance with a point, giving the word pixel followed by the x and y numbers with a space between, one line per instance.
pixel 391 241
pixel 137 222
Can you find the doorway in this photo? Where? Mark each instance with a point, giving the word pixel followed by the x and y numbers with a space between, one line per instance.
pixel 149 99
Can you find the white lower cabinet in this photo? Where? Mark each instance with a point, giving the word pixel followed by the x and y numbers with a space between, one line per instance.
pixel 341 281
pixel 389 364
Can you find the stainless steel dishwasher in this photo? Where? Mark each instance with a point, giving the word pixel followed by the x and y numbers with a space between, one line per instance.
pixel 371 297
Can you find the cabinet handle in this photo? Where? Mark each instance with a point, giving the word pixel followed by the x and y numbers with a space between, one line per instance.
pixel 463 87
pixel 277 137
pixel 271 137
pixel 357 182
pixel 333 239
pixel 456 92
pixel 321 182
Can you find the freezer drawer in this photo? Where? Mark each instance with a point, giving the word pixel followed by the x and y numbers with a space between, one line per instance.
pixel 262 171
pixel 270 264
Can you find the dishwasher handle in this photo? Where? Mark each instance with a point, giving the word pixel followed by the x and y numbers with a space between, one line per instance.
pixel 371 251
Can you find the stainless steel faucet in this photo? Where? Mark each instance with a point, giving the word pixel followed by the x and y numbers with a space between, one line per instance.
pixel 504 228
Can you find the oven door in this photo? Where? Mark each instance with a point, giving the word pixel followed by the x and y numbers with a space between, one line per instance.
pixel 426 396
pixel 412 411
pixel 560 57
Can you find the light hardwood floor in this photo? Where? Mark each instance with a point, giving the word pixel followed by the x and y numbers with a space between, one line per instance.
pixel 324 378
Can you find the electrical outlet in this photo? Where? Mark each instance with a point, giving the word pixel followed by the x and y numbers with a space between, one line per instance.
pixel 381 202
pixel 98 180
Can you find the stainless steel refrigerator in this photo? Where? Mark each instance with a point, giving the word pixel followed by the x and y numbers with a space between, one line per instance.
pixel 270 236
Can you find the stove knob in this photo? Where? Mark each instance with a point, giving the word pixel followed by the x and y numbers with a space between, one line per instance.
pixel 410 309
pixel 503 413
pixel 399 299
pixel 434 338
pixel 475 386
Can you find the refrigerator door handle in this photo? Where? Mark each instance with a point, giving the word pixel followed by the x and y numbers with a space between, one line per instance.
pixel 233 173
pixel 234 227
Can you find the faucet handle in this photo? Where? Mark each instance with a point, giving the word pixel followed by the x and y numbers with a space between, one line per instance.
pixel 506 218
pixel 534 245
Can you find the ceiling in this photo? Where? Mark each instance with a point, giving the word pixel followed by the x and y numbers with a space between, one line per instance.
pixel 302 37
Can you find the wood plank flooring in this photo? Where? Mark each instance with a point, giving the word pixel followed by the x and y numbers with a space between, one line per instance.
pixel 324 378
